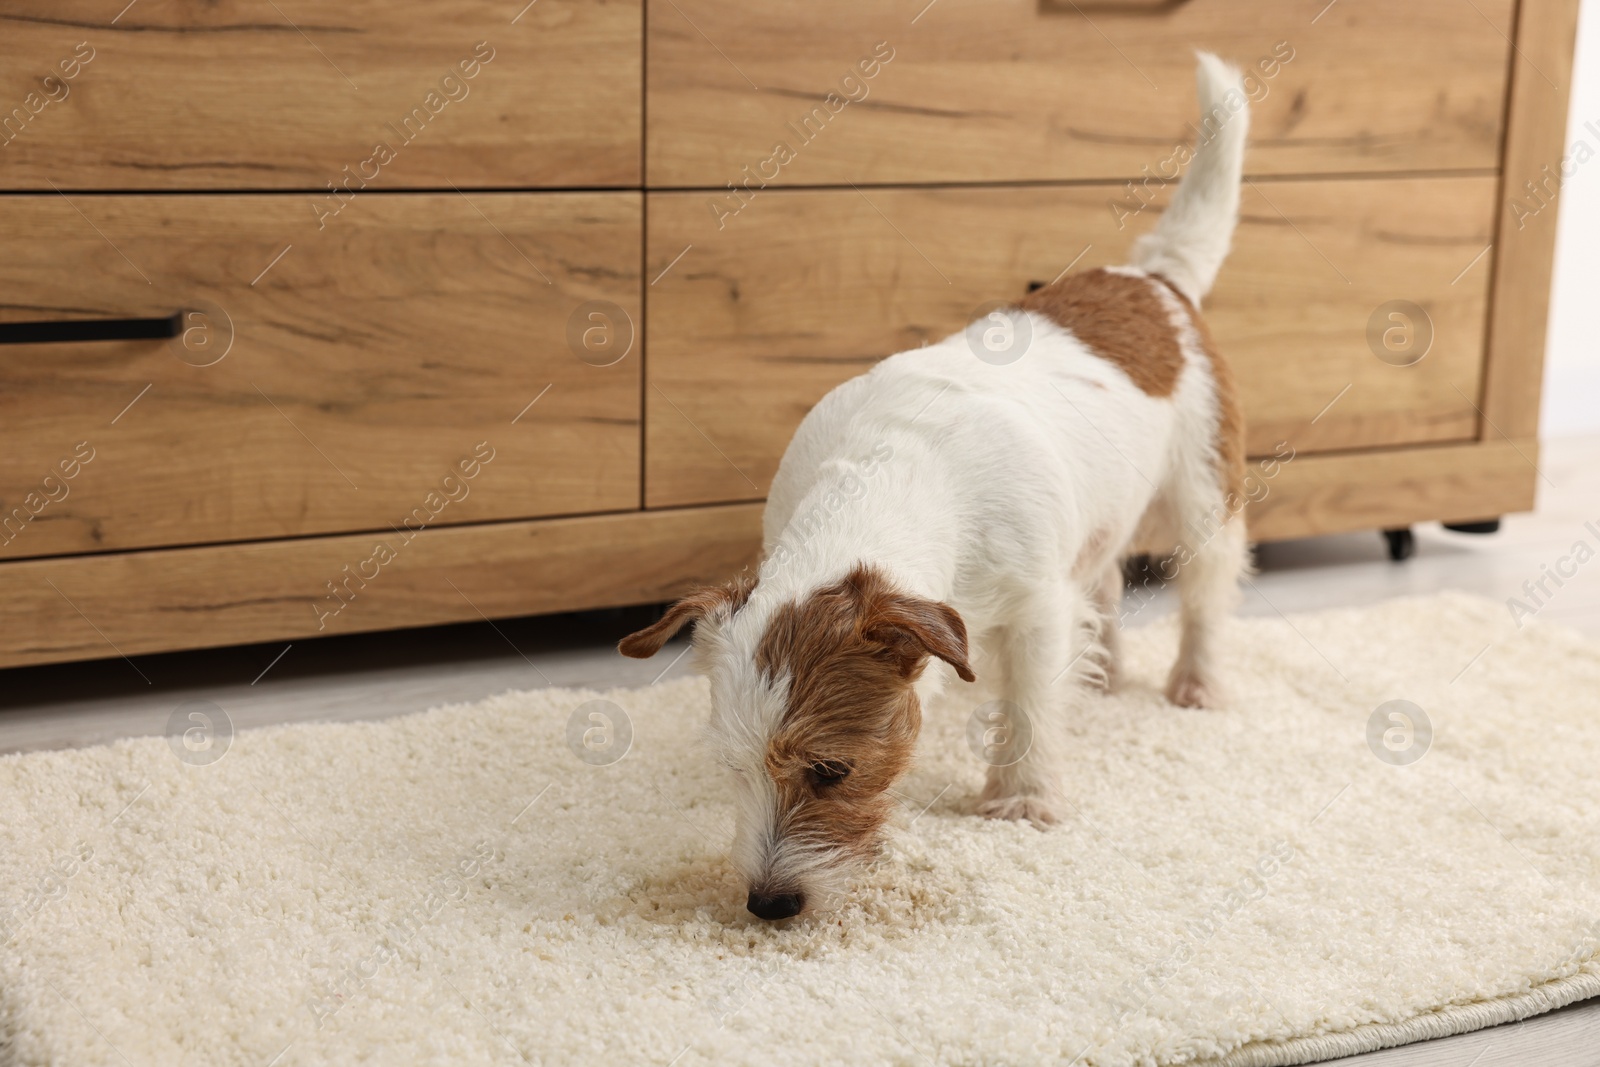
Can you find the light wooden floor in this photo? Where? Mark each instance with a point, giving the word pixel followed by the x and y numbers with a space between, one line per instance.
pixel 375 676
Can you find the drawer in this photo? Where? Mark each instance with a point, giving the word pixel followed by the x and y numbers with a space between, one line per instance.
pixel 1012 90
pixel 339 381
pixel 756 322
pixel 184 94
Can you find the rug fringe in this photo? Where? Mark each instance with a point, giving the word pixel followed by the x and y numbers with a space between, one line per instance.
pixel 1445 1022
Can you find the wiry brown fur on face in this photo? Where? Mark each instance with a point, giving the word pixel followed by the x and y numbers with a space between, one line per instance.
pixel 843 661
pixel 850 654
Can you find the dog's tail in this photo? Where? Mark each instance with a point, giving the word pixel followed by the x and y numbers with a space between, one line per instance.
pixel 1190 242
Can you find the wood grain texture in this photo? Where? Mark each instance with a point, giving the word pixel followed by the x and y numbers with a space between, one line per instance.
pixel 375 347
pixel 1325 494
pixel 228 94
pixel 132 602
pixel 379 676
pixel 804 289
pixel 365 362
pixel 1534 163
pixel 1009 90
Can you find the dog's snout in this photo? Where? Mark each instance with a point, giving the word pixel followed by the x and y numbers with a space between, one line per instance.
pixel 775 905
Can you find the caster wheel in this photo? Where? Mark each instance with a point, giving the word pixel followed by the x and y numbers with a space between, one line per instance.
pixel 1486 526
pixel 1402 543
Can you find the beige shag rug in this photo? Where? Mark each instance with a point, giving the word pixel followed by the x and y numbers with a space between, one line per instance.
pixel 1272 884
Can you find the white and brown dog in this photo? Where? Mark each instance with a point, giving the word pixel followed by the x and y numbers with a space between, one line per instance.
pixel 970 510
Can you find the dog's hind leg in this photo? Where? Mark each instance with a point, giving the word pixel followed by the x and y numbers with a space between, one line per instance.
pixel 1213 555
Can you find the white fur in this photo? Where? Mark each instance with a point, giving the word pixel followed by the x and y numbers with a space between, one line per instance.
pixel 1010 493
pixel 1192 239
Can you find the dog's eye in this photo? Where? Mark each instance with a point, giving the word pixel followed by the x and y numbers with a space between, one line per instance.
pixel 828 772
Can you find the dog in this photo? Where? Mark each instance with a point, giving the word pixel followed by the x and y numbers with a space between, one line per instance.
pixel 946 507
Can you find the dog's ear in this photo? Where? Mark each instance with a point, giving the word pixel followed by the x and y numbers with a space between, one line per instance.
pixel 914 628
pixel 709 601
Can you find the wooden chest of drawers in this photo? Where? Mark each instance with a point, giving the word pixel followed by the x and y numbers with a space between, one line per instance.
pixel 483 312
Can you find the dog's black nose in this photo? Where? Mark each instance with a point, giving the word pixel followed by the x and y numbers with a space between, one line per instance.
pixel 775 905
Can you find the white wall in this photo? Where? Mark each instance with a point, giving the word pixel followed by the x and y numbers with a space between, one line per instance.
pixel 1572 350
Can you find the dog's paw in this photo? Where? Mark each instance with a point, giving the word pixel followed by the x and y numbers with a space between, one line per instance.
pixel 1108 679
pixel 1034 809
pixel 1192 691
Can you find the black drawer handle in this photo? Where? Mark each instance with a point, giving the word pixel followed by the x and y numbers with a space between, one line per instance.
pixel 64 331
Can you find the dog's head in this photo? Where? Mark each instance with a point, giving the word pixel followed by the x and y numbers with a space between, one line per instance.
pixel 814 710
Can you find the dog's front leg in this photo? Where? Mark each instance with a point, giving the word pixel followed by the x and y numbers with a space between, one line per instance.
pixel 1038 679
pixel 1108 603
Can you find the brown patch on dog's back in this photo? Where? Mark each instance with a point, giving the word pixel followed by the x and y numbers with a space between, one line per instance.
pixel 851 653
pixel 1122 319
pixel 1230 417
